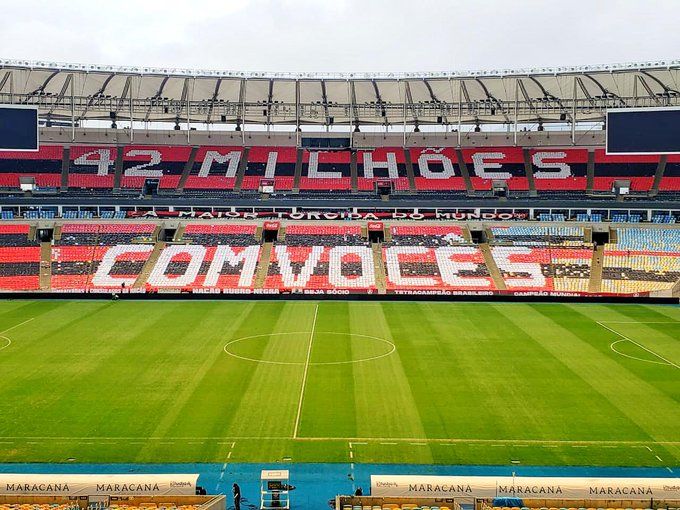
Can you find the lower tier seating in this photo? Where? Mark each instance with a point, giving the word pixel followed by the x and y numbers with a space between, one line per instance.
pixel 19 259
pixel 552 268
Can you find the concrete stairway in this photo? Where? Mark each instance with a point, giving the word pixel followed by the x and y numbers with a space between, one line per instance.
pixel 658 175
pixel 298 172
pixel 263 265
pixel 379 268
pixel 149 265
pixel 65 162
pixel 187 169
pixel 590 172
pixel 595 284
pixel 45 266
pixel 675 291
pixel 463 169
pixel 179 233
pixel 241 171
pixel 409 171
pixel 493 268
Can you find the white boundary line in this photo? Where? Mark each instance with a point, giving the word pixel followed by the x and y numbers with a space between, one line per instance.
pixel 20 324
pixel 640 322
pixel 271 362
pixel 304 374
pixel 354 440
pixel 9 342
pixel 611 346
pixel 668 362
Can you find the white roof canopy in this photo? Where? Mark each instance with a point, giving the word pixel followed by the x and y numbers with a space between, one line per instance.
pixel 583 93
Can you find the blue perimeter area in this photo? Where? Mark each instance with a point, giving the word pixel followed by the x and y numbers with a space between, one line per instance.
pixel 316 484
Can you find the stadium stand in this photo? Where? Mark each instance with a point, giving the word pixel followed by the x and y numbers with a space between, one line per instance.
pixel 380 164
pixel 276 163
pixel 554 258
pixel 503 163
pixel 326 171
pixel 89 254
pixel 100 254
pixel 639 170
pixel 642 260
pixel 214 256
pixel 435 169
pixel 433 257
pixel 323 257
pixel 19 258
pixel 43 165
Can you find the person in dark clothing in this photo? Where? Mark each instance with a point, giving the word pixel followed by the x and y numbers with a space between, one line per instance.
pixel 236 490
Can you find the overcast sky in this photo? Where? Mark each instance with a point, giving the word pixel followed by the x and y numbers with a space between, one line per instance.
pixel 341 35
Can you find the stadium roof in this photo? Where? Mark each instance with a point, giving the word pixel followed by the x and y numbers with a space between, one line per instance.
pixel 509 96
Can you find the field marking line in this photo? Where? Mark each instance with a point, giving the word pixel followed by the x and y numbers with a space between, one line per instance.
pixel 668 362
pixel 354 440
pixel 9 341
pixel 641 322
pixel 393 348
pixel 20 324
pixel 611 346
pixel 659 458
pixel 304 374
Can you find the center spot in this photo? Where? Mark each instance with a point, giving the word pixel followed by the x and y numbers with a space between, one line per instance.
pixel 328 348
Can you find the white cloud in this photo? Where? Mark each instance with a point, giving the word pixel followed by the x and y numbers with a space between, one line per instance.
pixel 340 35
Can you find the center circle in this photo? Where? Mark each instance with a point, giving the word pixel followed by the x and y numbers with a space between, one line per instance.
pixel 381 347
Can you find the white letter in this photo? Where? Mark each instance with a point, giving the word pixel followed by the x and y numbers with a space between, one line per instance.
pixel 102 278
pixel 480 165
pixel 138 170
pixel 502 254
pixel 226 254
pixel 270 169
pixel 313 169
pixel 394 270
pixel 424 167
pixel 564 169
pixel 286 270
pixel 103 162
pixel 335 276
pixel 210 156
pixel 391 165
pixel 450 269
pixel 157 278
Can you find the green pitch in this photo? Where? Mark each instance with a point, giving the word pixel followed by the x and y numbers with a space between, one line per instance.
pixel 339 382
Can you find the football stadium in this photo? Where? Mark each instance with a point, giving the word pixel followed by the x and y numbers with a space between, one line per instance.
pixel 374 291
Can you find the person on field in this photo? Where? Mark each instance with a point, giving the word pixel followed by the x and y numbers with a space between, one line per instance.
pixel 236 490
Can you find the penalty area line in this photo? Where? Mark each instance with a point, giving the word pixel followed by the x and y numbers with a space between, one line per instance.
pixel 304 374
pixel 16 326
pixel 667 361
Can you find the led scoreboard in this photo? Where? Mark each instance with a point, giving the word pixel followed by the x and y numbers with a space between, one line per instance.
pixel 643 130
pixel 18 128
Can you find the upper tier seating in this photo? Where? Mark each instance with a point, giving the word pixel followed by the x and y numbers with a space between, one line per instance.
pixel 321 257
pixel 435 169
pixel 642 260
pixel 19 259
pixel 639 170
